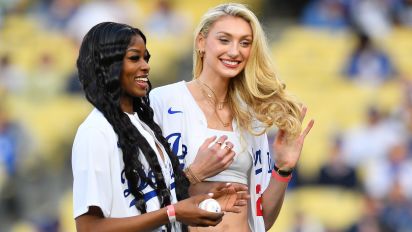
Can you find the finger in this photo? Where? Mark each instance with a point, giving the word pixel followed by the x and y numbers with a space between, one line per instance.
pixel 228 159
pixel 243 195
pixel 207 142
pixel 202 197
pixel 221 140
pixel 228 146
pixel 308 127
pixel 219 188
pixel 240 203
pixel 234 209
pixel 240 188
pixel 222 192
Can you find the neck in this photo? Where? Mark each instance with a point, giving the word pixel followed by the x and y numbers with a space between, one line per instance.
pixel 219 86
pixel 126 103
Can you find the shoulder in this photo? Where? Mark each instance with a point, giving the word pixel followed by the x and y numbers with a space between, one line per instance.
pixel 166 96
pixel 167 91
pixel 94 124
pixel 95 140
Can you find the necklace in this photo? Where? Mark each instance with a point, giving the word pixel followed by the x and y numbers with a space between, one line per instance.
pixel 213 101
pixel 220 104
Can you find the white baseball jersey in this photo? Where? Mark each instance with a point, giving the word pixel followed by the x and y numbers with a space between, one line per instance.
pixel 98 170
pixel 184 126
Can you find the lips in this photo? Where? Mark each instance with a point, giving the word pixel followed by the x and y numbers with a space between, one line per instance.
pixel 141 81
pixel 142 78
pixel 230 63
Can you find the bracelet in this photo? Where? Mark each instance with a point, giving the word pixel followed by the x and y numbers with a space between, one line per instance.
pixel 171 214
pixel 193 179
pixel 283 173
pixel 281 178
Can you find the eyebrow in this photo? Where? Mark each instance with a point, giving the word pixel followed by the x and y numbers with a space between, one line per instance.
pixel 133 50
pixel 228 34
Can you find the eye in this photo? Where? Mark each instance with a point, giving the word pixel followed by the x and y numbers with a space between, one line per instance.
pixel 245 43
pixel 224 40
pixel 134 58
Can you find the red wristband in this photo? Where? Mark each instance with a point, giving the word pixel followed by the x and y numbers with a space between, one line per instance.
pixel 171 214
pixel 281 178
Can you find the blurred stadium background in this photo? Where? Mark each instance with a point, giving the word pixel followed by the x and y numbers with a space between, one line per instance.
pixel 349 61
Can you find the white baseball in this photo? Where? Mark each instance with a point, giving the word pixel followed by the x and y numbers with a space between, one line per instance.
pixel 210 205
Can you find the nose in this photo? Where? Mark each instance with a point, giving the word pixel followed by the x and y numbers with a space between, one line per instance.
pixel 145 66
pixel 233 51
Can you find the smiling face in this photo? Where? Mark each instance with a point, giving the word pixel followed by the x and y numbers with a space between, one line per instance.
pixel 135 69
pixel 227 47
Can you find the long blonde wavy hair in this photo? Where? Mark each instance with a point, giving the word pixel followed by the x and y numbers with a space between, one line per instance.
pixel 256 93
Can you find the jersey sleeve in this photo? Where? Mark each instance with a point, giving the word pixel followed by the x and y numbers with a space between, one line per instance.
pixel 91 171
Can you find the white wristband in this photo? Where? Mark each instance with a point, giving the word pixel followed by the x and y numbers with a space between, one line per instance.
pixel 171 214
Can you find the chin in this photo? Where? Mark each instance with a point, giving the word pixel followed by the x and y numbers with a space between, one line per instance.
pixel 230 75
pixel 141 94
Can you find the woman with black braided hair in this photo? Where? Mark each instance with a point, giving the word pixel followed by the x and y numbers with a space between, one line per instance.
pixel 125 178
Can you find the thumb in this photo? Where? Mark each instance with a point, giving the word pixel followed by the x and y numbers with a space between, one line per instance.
pixel 203 197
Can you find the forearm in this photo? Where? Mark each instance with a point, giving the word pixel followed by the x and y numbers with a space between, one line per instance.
pixel 145 222
pixel 272 201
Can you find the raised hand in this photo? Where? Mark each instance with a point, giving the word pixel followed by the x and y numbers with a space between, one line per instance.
pixel 287 151
pixel 212 157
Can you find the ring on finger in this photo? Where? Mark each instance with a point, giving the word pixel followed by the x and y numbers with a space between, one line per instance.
pixel 228 147
pixel 220 143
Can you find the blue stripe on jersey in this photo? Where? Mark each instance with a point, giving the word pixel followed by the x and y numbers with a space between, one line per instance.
pixel 149 195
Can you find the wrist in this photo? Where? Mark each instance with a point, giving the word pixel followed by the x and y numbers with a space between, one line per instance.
pixel 197 171
pixel 191 175
pixel 282 170
pixel 280 178
pixel 171 213
pixel 282 175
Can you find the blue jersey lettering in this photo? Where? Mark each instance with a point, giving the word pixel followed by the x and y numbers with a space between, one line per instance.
pixel 174 141
pixel 141 187
pixel 269 157
pixel 257 158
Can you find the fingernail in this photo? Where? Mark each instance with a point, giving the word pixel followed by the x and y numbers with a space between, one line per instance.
pixel 227 184
pixel 210 194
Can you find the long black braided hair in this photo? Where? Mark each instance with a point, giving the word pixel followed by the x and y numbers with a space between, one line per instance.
pixel 99 65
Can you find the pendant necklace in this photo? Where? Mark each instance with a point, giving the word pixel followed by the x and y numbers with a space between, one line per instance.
pixel 213 100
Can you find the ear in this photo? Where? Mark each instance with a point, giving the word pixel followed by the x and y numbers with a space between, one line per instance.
pixel 200 42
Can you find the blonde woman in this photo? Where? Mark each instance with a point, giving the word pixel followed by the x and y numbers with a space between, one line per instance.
pixel 216 124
